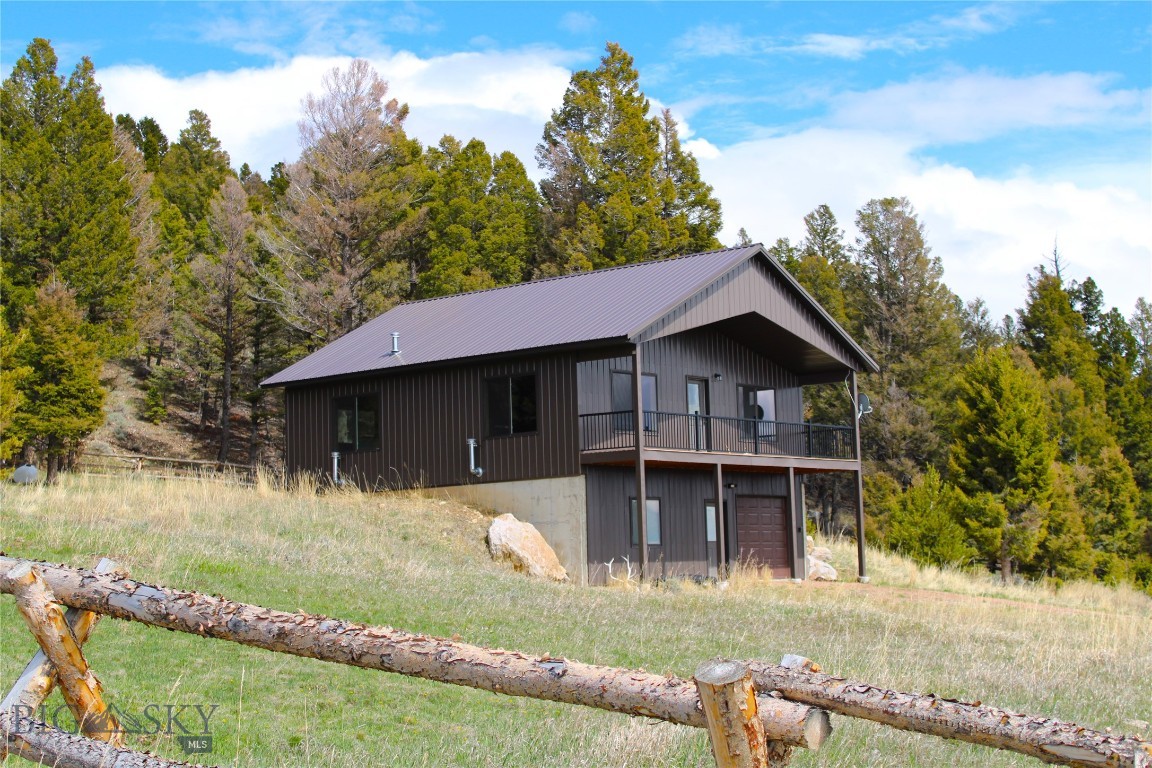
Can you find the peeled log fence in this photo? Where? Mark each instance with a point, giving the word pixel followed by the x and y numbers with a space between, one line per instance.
pixel 789 702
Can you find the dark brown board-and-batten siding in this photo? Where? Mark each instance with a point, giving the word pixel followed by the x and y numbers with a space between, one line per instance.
pixel 682 494
pixel 699 353
pixel 427 417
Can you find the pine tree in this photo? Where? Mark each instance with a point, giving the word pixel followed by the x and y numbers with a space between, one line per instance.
pixel 63 400
pixel 217 304
pixel 66 197
pixel 610 199
pixel 688 206
pixel 147 137
pixel 191 171
pixel 1002 454
pixel 13 376
pixel 1065 553
pixel 896 300
pixel 925 523
pixel 482 220
pixel 341 235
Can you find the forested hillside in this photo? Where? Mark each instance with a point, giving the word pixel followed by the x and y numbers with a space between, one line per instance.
pixel 1022 444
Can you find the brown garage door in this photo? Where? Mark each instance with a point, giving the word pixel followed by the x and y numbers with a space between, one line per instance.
pixel 762 533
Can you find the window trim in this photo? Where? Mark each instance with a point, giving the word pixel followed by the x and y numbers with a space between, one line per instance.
pixel 373 397
pixel 487 400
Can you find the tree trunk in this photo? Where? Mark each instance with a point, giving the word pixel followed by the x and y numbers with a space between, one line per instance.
pixel 509 672
pixel 1052 741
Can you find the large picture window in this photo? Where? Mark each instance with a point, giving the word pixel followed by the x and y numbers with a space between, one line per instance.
pixel 357 423
pixel 511 404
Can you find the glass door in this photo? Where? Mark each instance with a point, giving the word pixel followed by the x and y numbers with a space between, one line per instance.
pixel 698 413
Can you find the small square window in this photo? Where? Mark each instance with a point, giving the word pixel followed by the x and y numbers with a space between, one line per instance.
pixel 511 404
pixel 357 423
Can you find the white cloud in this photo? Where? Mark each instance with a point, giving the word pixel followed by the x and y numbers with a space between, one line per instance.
pixel 503 98
pixel 710 40
pixel 989 233
pixel 968 106
pixel 578 22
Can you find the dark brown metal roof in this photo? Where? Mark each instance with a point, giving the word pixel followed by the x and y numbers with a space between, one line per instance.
pixel 608 305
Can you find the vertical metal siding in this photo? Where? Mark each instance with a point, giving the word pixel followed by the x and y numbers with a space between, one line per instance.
pixel 751 287
pixel 427 417
pixel 682 495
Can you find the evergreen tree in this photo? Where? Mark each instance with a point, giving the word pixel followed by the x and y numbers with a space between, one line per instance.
pixel 13 376
pixel 609 198
pixel 65 198
pixel 825 263
pixel 1065 553
pixel 217 304
pixel 924 524
pixel 897 302
pixel 63 400
pixel 1109 499
pixel 1056 337
pixel 191 171
pixel 147 137
pixel 340 238
pixel 688 206
pixel 1002 455
pixel 482 220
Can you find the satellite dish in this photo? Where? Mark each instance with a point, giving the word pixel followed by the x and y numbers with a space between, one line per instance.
pixel 864 406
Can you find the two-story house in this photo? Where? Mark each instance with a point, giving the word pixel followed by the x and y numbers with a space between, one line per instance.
pixel 565 400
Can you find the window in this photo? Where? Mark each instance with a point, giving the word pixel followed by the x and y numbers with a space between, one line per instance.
pixel 758 404
pixel 511 404
pixel 357 423
pixel 622 399
pixel 651 519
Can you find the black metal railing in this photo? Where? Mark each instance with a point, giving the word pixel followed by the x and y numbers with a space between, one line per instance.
pixel 716 434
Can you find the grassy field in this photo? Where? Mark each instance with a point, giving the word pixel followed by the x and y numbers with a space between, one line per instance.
pixel 1081 654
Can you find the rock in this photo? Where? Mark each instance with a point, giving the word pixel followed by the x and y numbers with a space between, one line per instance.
pixel 522 545
pixel 26 474
pixel 818 570
pixel 821 553
pixel 809 543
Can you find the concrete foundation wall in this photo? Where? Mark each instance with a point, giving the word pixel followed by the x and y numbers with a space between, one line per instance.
pixel 556 506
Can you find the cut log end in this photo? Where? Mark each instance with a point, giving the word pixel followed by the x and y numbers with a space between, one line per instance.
pixel 720 672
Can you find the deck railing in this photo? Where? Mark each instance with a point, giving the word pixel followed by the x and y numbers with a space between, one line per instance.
pixel 716 434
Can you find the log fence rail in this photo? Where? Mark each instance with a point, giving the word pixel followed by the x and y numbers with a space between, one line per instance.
pixel 756 713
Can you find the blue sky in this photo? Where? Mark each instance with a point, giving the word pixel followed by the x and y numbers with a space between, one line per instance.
pixel 1010 127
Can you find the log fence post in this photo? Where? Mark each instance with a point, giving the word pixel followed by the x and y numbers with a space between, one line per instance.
pixel 82 691
pixel 735 729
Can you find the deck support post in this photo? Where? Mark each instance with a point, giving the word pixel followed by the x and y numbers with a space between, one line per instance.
pixel 721 526
pixel 861 570
pixel 796 523
pixel 641 480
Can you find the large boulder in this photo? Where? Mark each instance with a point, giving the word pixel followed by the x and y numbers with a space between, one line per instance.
pixel 25 475
pixel 522 545
pixel 821 553
pixel 818 570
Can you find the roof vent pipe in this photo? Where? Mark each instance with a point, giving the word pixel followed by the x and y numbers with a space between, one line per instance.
pixel 395 343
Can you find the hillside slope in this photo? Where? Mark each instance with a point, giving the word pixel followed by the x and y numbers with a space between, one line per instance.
pixel 420 564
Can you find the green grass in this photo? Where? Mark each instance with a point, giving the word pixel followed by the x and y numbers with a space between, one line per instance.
pixel 1081 654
